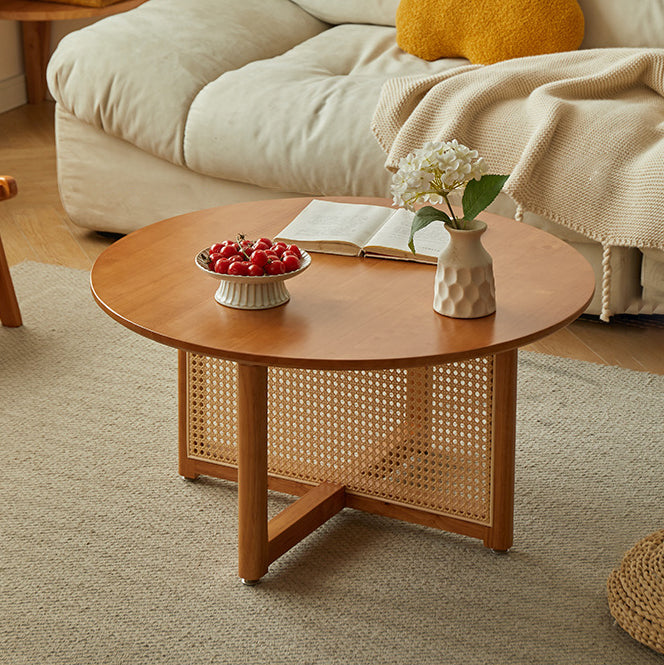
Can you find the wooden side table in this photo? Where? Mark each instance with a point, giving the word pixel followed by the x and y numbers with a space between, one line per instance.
pixel 35 19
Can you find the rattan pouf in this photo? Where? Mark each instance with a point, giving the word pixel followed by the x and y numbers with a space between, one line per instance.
pixel 636 592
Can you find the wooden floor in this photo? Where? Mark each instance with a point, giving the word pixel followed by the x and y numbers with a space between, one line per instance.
pixel 35 227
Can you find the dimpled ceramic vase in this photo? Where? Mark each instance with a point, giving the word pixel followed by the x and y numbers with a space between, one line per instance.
pixel 464 286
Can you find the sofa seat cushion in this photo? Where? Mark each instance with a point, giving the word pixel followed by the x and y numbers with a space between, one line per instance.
pixel 302 121
pixel 134 75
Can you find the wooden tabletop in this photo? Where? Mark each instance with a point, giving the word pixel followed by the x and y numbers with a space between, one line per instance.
pixel 27 10
pixel 344 312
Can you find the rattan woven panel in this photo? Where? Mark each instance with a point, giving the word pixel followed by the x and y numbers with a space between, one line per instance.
pixel 417 437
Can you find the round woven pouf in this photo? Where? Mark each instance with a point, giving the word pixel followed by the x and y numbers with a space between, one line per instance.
pixel 636 592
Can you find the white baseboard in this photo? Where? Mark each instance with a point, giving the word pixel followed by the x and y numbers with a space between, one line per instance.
pixel 12 93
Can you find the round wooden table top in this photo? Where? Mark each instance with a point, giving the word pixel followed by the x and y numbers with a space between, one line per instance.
pixel 28 10
pixel 344 312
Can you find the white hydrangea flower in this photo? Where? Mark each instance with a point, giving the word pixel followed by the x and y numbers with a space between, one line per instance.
pixel 430 173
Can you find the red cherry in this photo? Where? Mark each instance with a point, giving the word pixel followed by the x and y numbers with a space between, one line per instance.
pixel 259 257
pixel 237 268
pixel 294 249
pixel 255 270
pixel 291 262
pixel 260 244
pixel 221 266
pixel 216 248
pixel 275 268
pixel 230 249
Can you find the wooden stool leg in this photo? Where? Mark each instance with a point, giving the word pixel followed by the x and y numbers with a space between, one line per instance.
pixel 10 314
pixel 252 473
pixel 504 438
pixel 36 47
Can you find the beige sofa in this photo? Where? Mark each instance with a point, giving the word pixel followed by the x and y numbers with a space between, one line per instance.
pixel 186 104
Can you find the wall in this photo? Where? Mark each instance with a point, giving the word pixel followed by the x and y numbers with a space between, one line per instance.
pixel 12 82
pixel 12 78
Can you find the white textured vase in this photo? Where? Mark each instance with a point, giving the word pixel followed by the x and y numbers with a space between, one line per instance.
pixel 464 286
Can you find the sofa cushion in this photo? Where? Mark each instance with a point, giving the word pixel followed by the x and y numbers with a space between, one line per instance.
pixel 611 23
pixel 301 121
pixel 134 75
pixel 376 12
pixel 486 33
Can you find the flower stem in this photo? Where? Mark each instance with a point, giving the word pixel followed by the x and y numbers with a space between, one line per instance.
pixel 455 221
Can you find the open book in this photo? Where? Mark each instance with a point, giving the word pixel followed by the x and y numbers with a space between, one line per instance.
pixel 355 229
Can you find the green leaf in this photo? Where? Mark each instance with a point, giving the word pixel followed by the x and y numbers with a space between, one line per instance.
pixel 424 217
pixel 479 194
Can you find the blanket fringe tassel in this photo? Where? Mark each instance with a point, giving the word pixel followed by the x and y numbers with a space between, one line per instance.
pixel 606 272
pixel 606 283
pixel 518 215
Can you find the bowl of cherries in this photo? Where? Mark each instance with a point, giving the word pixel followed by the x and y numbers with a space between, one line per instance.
pixel 252 273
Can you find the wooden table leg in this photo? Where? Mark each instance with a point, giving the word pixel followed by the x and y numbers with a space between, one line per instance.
pixel 500 536
pixel 419 398
pixel 36 49
pixel 259 542
pixel 252 473
pixel 186 466
pixel 10 314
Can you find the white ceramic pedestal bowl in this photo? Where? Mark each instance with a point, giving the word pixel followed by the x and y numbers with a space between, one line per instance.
pixel 244 292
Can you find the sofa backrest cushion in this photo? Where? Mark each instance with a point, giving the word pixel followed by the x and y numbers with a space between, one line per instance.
pixel 634 23
pixel 373 12
pixel 134 75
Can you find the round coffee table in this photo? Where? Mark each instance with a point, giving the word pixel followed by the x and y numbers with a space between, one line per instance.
pixel 355 392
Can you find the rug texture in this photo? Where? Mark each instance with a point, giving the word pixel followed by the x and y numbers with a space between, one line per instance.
pixel 108 557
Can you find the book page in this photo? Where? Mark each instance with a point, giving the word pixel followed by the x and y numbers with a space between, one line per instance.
pixel 392 239
pixel 328 226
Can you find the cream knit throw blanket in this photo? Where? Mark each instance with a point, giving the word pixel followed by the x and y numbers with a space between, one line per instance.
pixel 582 134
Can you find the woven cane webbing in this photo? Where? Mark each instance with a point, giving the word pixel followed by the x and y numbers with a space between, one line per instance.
pixel 636 592
pixel 418 437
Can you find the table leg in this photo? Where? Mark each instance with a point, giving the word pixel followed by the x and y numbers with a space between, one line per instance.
pixel 186 466
pixel 259 542
pixel 500 535
pixel 10 314
pixel 252 473
pixel 419 400
pixel 36 49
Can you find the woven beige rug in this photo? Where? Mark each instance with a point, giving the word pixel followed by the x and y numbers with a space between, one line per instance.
pixel 106 556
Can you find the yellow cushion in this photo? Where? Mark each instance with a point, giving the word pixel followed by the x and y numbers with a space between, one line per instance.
pixel 488 31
